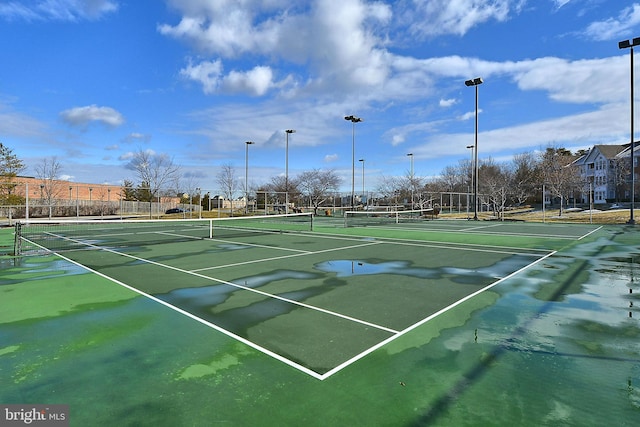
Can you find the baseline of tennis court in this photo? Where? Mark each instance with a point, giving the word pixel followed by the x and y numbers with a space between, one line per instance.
pixel 315 302
pixel 396 220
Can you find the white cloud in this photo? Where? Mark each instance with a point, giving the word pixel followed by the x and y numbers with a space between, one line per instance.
pixel 223 27
pixel 438 17
pixel 13 123
pixel 469 115
pixel 255 82
pixel 130 155
pixel 613 28
pixel 329 158
pixel 583 81
pixel 593 127
pixel 137 137
pixel 337 39
pixel 207 73
pixel 445 103
pixel 560 3
pixel 81 116
pixel 397 139
pixel 57 10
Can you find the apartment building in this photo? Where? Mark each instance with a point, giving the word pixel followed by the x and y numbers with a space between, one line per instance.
pixel 605 171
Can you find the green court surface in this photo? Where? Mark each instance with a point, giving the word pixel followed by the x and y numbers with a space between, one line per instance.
pixel 429 323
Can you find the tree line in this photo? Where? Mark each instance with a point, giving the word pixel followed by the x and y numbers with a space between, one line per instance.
pixel 512 183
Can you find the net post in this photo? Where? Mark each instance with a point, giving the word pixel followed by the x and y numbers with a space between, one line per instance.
pixel 17 241
pixel 210 228
pixel 311 222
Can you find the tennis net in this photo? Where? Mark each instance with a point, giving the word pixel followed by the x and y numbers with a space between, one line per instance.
pixel 70 234
pixel 372 218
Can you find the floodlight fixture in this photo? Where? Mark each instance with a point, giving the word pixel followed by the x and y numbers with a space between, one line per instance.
pixel 353 119
pixel 474 82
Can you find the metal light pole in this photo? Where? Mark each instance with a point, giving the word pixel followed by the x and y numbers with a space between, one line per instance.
pixel 624 45
pixel 286 173
pixel 362 160
pixel 411 178
pixel 246 178
pixel 475 82
pixel 353 120
pixel 198 190
pixel 471 173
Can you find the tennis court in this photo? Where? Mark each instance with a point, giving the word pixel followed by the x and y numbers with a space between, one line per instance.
pixel 387 301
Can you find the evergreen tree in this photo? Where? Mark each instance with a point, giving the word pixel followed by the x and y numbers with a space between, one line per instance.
pixel 10 167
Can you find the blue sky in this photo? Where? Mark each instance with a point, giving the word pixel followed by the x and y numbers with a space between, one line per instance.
pixel 91 82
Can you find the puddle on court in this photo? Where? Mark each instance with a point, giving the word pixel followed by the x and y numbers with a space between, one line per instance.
pixel 40 270
pixel 346 268
pixel 227 306
pixel 212 302
pixel 211 296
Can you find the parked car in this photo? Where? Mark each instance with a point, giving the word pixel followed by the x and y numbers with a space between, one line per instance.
pixel 616 206
pixel 173 211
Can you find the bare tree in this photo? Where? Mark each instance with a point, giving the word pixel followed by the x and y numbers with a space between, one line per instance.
pixel 317 185
pixel 525 167
pixel 390 187
pixel 452 178
pixel 497 185
pixel 279 187
pixel 559 177
pixel 228 182
pixel 155 171
pixel 50 188
pixel 620 176
pixel 412 184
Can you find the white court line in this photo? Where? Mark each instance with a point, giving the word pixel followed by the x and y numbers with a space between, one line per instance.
pixel 407 242
pixel 480 248
pixel 285 256
pixel 447 245
pixel 480 232
pixel 257 245
pixel 425 320
pixel 479 227
pixel 396 334
pixel 590 233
